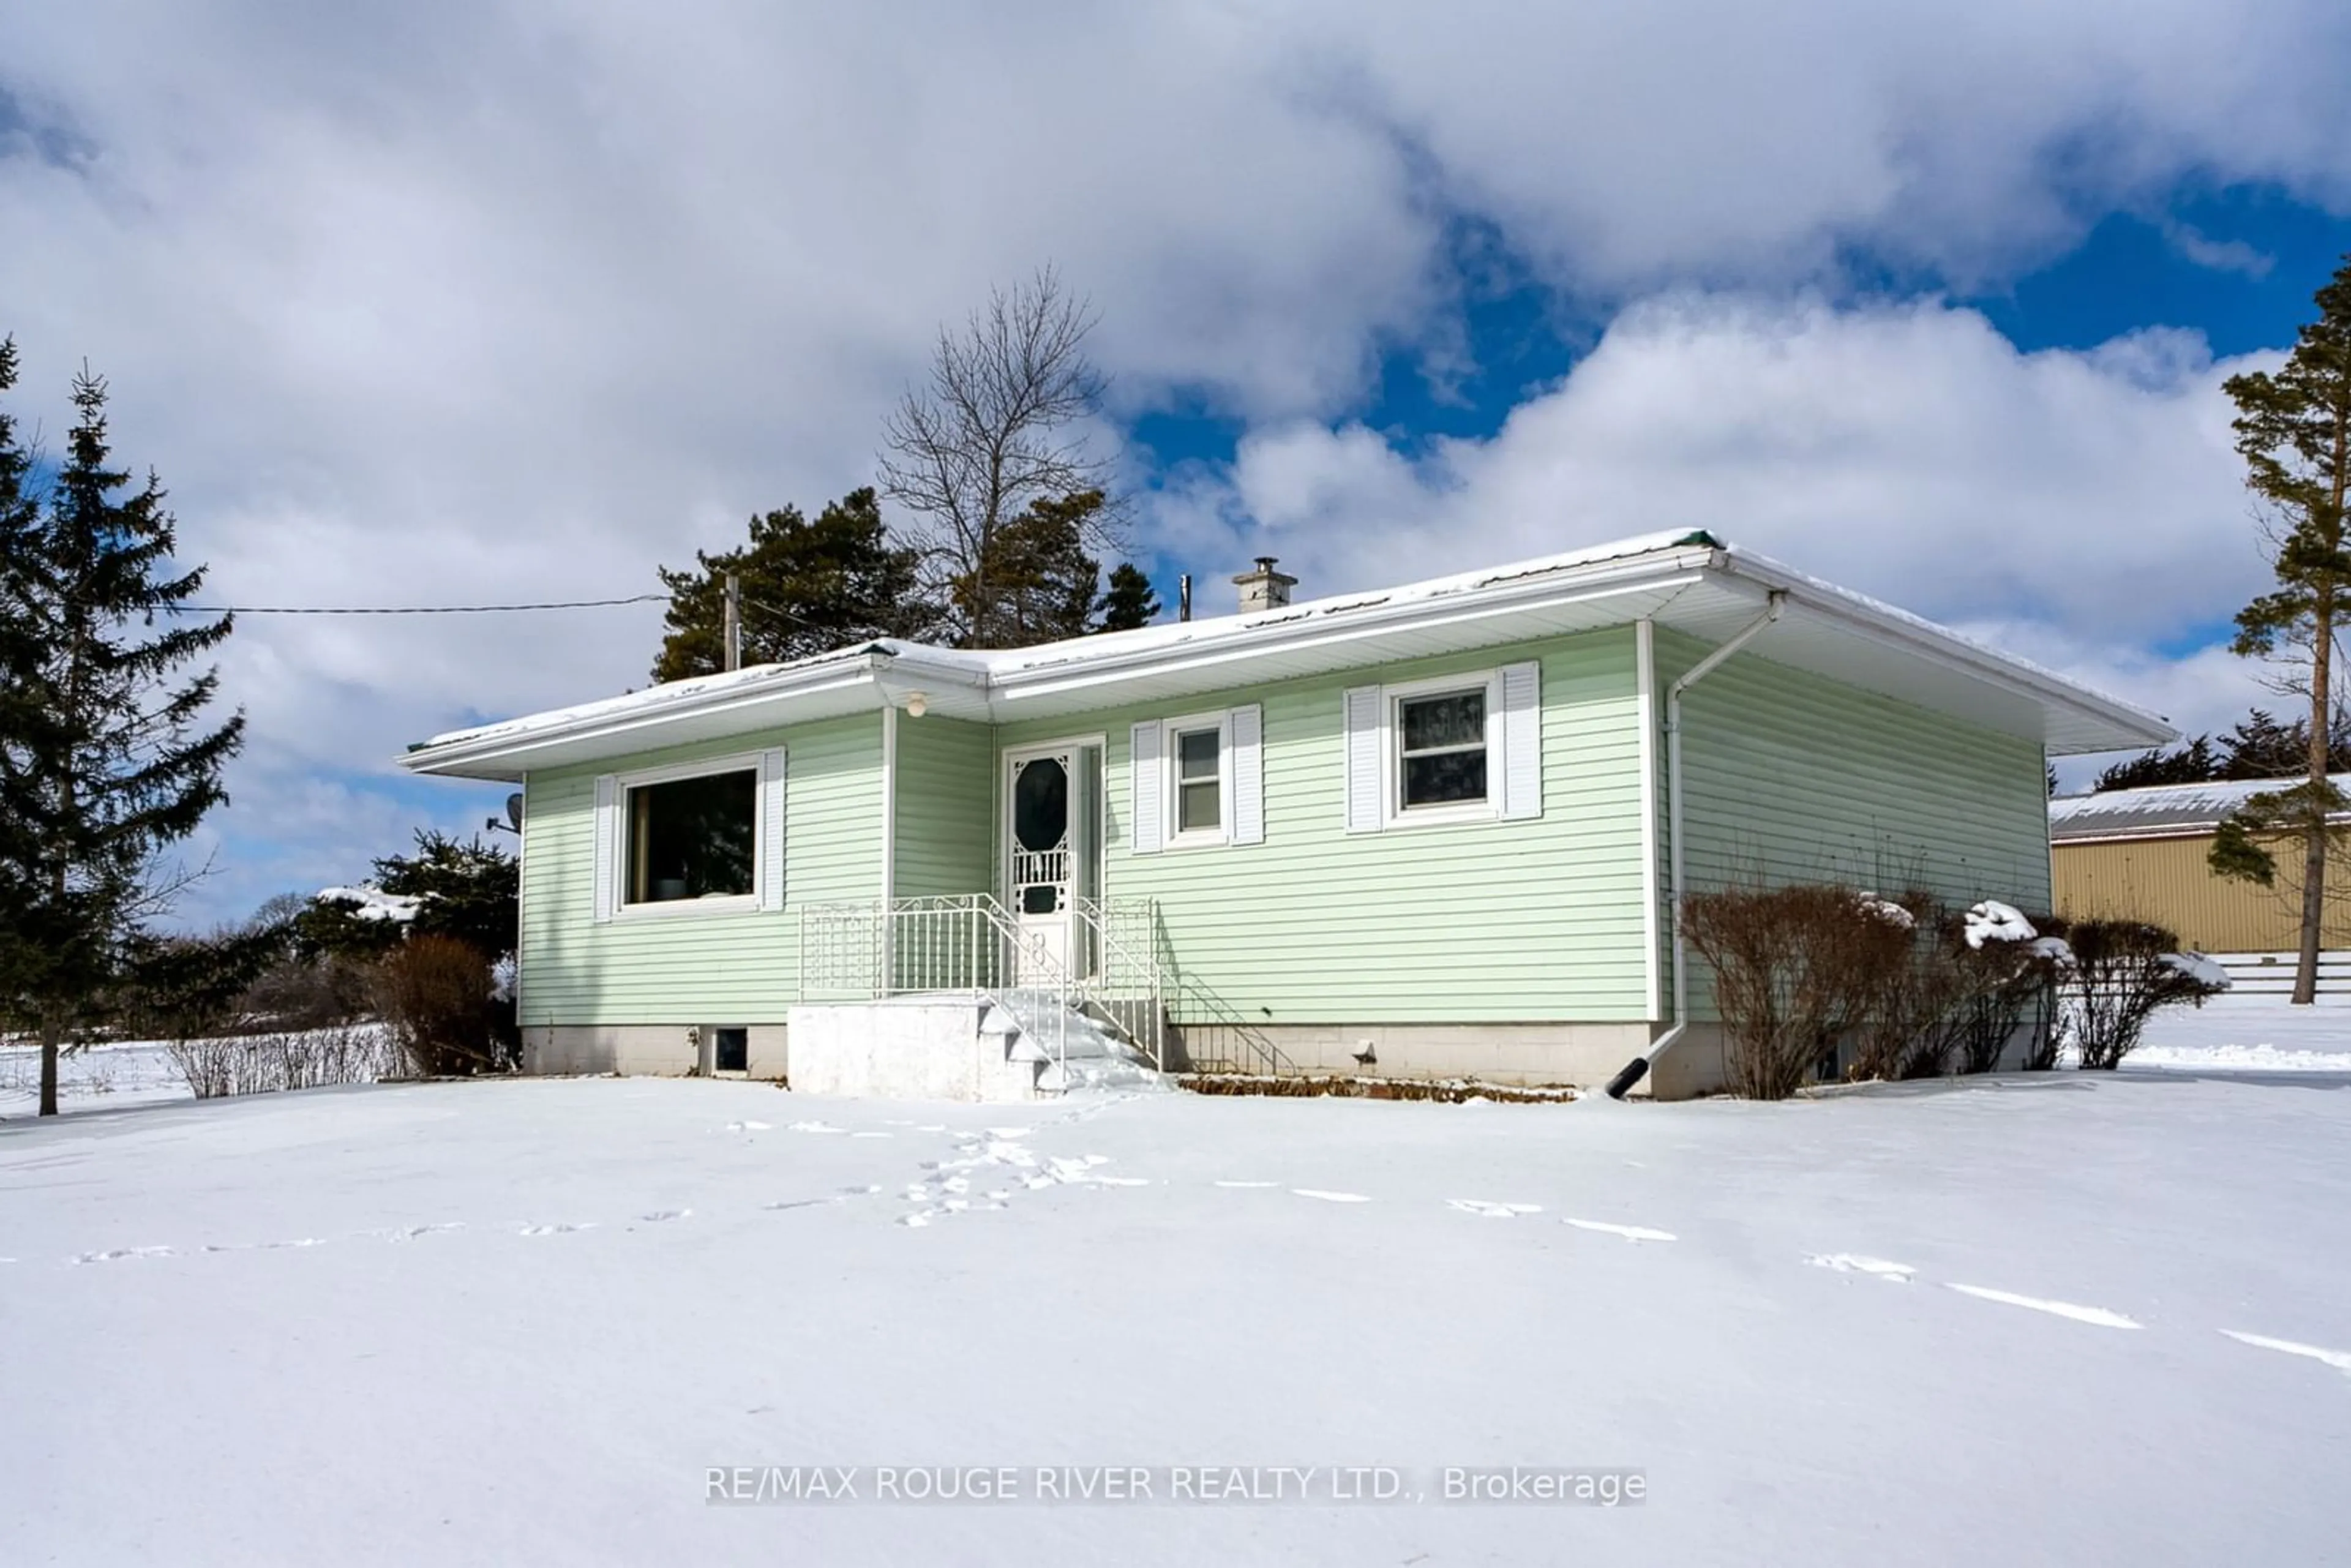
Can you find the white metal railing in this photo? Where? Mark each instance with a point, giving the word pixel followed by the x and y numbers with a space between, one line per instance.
pixel 969 943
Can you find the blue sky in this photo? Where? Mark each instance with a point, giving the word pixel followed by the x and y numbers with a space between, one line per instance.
pixel 419 306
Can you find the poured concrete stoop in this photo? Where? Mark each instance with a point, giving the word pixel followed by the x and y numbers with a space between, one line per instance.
pixel 989 1049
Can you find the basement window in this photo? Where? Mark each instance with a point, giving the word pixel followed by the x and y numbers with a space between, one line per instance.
pixel 692 837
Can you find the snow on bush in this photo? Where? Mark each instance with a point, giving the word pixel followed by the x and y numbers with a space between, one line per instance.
pixel 2054 951
pixel 1992 921
pixel 2125 971
pixel 373 903
pixel 2200 968
pixel 1884 909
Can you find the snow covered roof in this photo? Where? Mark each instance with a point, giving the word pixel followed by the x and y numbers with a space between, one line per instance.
pixel 2158 810
pixel 1688 580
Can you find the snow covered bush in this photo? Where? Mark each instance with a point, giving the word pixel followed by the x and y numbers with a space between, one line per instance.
pixel 2124 971
pixel 439 997
pixel 1972 980
pixel 1794 968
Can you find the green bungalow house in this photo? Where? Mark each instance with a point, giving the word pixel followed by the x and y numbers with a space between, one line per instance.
pixel 1431 830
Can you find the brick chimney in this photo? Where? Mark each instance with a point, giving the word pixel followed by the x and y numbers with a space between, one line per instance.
pixel 1264 589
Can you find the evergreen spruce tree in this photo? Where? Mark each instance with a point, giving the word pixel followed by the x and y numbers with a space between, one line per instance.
pixel 1130 602
pixel 808 587
pixel 2293 431
pixel 107 755
pixel 2190 764
pixel 20 515
pixel 1035 583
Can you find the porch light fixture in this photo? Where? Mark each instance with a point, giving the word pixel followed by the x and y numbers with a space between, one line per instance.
pixel 918 705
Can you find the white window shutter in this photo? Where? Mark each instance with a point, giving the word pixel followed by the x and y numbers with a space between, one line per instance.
pixel 607 854
pixel 1521 741
pixel 1248 727
pixel 1365 760
pixel 1146 815
pixel 771 829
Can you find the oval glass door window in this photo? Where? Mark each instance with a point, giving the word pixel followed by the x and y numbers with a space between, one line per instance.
pixel 1041 827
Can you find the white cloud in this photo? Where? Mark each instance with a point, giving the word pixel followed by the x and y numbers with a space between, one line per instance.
pixel 2085 508
pixel 416 304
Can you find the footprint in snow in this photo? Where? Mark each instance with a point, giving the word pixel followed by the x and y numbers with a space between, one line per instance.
pixel 1855 1263
pixel 750 1127
pixel 1328 1196
pixel 860 1191
pixel 558 1229
pixel 2098 1316
pixel 800 1202
pixel 117 1254
pixel 1485 1209
pixel 2340 1360
pixel 410 1232
pixel 815 1127
pixel 1629 1232
pixel 259 1246
pixel 658 1215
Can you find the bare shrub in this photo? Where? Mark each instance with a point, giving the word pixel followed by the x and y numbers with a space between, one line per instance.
pixel 219 1065
pixel 2124 972
pixel 1794 968
pixel 347 1054
pixel 1906 1030
pixel 437 997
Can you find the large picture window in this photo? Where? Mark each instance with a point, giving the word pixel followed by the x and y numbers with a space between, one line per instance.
pixel 1441 749
pixel 692 837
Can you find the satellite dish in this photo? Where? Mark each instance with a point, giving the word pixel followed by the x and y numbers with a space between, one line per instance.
pixel 514 810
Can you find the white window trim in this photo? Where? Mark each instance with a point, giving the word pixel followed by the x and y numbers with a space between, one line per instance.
pixel 1171 786
pixel 750 903
pixel 1393 812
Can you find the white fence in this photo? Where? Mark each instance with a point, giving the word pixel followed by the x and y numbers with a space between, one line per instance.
pixel 2253 975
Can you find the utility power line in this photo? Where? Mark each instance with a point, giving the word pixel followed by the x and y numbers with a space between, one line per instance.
pixel 405 609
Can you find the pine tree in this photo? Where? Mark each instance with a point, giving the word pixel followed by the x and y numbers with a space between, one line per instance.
pixel 20 517
pixel 471 890
pixel 2293 431
pixel 1035 583
pixel 808 588
pixel 106 755
pixel 2190 764
pixel 1130 602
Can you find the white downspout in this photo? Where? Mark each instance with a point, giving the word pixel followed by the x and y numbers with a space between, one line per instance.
pixel 1633 1071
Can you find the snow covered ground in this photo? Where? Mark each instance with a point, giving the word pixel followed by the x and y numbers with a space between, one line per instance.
pixel 2064 1317
pixel 2250 1034
pixel 104 1077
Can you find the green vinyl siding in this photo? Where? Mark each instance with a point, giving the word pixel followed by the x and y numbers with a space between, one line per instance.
pixel 1477 922
pixel 945 775
pixel 738 967
pixel 1790 777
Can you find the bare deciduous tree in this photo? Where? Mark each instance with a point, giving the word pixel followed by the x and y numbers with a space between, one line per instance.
pixel 996 429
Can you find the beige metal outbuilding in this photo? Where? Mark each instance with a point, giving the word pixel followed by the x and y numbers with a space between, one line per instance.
pixel 2140 854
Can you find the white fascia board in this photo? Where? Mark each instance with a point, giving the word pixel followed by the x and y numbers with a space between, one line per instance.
pixel 504 751
pixel 2134 727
